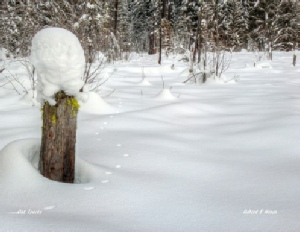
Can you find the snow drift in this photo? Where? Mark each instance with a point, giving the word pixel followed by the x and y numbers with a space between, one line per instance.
pixel 96 105
pixel 165 95
pixel 19 165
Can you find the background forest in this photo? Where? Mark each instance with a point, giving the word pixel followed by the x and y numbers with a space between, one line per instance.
pixel 119 27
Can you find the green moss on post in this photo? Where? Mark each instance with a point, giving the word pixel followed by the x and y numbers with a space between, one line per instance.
pixel 74 104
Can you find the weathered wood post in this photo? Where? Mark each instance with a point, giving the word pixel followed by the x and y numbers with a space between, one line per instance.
pixel 294 59
pixel 57 155
pixel 59 61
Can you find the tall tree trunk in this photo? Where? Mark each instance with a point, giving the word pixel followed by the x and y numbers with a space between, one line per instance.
pixel 204 63
pixel 217 57
pixel 151 50
pixel 200 35
pixel 170 11
pixel 116 17
pixel 151 44
pixel 163 15
pixel 57 155
pixel 270 51
pixel 196 42
pixel 164 9
pixel 160 45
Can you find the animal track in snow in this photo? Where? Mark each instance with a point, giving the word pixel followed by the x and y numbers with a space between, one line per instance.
pixel 88 188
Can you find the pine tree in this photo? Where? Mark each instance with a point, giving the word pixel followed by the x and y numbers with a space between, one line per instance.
pixel 143 16
pixel 19 28
pixel 287 26
pixel 233 25
pixel 92 27
pixel 187 23
pixel 123 34
pixel 261 25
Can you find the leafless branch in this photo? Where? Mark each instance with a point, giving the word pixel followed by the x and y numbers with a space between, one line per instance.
pixel 15 81
pixel 110 93
pixel 98 84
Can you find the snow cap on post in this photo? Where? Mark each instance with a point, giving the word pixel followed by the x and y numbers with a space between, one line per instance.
pixel 59 61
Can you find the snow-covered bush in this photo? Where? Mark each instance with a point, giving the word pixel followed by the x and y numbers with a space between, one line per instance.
pixel 59 61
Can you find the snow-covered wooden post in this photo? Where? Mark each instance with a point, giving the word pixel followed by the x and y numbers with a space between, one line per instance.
pixel 59 61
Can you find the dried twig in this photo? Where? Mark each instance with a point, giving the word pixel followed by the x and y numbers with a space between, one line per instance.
pixel 110 93
pixel 99 84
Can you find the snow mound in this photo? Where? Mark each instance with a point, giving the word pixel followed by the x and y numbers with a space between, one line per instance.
pixel 96 105
pixel 165 95
pixel 19 165
pixel 215 80
pixel 232 81
pixel 59 61
pixel 19 162
pixel 223 79
pixel 249 65
pixel 229 79
pixel 144 82
pixel 262 65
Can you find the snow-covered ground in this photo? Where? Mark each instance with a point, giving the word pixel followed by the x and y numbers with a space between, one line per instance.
pixel 214 157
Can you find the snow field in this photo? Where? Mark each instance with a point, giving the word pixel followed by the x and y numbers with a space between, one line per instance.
pixel 191 164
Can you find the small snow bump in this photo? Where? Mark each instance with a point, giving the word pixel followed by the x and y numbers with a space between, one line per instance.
pixel 105 181
pixel 119 145
pixel 125 155
pixel 89 188
pixel 118 166
pixel 49 207
pixel 105 123
pixel 108 173
pixel 97 133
